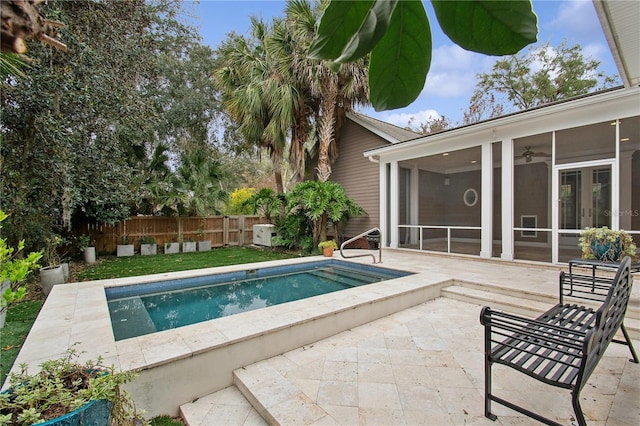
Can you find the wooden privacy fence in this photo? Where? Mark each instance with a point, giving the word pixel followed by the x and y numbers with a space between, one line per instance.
pixel 220 230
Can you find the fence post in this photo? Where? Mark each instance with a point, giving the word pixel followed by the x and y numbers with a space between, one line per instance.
pixel 241 231
pixel 225 231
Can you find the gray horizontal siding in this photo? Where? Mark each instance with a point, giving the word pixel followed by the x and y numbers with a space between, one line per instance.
pixel 358 175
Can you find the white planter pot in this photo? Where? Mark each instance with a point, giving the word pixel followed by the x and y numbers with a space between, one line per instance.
pixel 89 255
pixel 124 250
pixel 65 272
pixel 204 245
pixel 171 248
pixel 188 247
pixel 50 276
pixel 4 286
pixel 148 249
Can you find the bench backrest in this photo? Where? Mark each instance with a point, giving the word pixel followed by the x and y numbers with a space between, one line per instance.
pixel 608 319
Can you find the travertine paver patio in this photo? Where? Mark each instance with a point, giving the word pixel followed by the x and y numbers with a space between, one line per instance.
pixel 423 365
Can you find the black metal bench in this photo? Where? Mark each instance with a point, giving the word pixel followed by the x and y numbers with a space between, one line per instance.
pixel 562 346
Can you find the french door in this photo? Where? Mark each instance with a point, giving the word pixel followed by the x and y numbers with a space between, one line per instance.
pixel 584 200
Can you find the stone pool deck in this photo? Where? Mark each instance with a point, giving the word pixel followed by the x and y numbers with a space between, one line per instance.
pixel 401 351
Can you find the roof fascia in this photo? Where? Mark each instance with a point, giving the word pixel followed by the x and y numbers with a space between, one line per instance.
pixel 523 120
pixel 372 129
pixel 605 22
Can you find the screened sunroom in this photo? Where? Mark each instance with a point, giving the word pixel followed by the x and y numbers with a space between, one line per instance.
pixel 517 187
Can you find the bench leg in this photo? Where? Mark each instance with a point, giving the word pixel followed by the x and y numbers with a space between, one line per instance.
pixel 630 344
pixel 487 375
pixel 577 409
pixel 487 391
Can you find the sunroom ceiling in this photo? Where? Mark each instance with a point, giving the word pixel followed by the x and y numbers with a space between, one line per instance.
pixel 620 20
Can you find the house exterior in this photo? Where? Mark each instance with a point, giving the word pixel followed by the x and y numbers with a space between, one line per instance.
pixel 521 186
pixel 357 173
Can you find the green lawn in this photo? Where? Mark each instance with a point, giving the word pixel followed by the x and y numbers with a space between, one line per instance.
pixel 116 267
pixel 20 317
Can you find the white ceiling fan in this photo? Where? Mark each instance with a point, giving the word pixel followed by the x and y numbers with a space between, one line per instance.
pixel 529 154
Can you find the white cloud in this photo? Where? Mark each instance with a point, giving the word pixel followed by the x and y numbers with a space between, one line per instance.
pixel 402 119
pixel 453 71
pixel 577 18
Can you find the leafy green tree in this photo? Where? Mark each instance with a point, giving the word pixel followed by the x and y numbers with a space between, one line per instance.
pixel 542 75
pixel 183 94
pixel 79 128
pixel 72 111
pixel 397 33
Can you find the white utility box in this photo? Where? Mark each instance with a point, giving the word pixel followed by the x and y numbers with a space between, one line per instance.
pixel 264 234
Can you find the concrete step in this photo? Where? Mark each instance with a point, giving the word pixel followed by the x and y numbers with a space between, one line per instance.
pixel 225 407
pixel 520 303
pixel 502 301
pixel 275 398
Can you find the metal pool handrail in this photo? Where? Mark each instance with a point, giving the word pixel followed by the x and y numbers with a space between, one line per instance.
pixel 365 233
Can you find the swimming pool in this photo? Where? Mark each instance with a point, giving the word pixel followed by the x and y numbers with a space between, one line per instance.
pixel 141 309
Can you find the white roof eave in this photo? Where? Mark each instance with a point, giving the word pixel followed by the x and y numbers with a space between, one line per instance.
pixel 619 21
pixel 519 119
pixel 372 129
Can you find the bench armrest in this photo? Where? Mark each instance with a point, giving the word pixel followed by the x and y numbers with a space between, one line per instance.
pixel 517 329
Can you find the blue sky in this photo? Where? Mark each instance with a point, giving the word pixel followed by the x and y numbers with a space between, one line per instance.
pixel 451 79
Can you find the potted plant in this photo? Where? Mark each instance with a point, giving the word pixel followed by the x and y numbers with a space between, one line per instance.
pixel 606 244
pixel 188 246
pixel 13 271
pixel 328 247
pixel 67 392
pixel 54 273
pixel 87 248
pixel 203 245
pixel 148 246
pixel 172 247
pixel 124 249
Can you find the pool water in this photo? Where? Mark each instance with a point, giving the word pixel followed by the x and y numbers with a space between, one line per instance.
pixel 147 308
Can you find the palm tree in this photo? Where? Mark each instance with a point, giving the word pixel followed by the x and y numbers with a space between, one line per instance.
pixel 274 91
pixel 331 93
pixel 199 181
pixel 257 94
pixel 159 196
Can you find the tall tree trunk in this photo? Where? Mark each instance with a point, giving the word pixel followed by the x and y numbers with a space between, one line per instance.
pixel 297 151
pixel 276 160
pixel 325 133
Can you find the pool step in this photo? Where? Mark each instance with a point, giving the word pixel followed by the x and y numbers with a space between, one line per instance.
pixel 130 318
pixel 342 277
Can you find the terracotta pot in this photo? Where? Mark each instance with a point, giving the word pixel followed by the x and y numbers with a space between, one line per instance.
pixel 327 251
